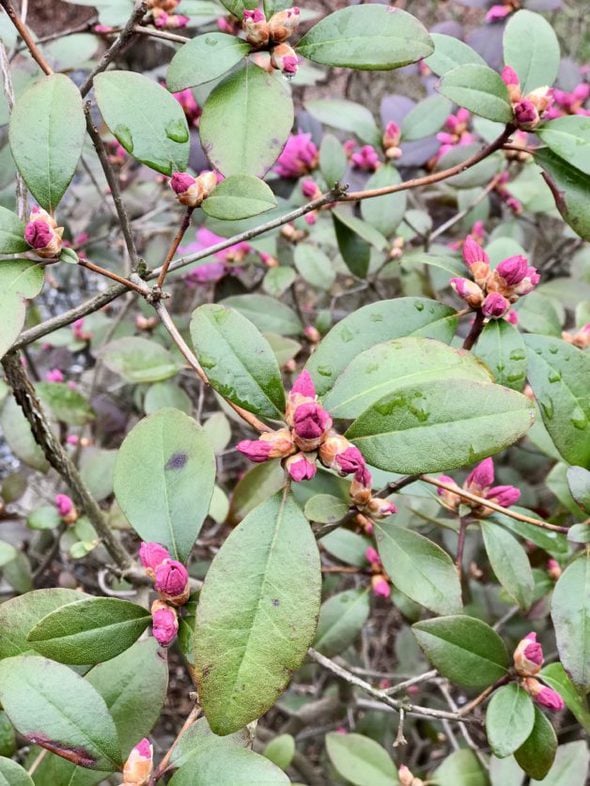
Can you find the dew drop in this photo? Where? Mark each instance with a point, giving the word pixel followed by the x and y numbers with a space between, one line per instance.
pixel 517 354
pixel 547 407
pixel 325 371
pixel 376 317
pixel 553 350
pixel 123 134
pixel 554 376
pixel 177 130
pixel 579 419
pixel 419 306
pixel 346 335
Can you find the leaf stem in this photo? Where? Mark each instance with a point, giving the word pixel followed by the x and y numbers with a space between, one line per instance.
pixel 26 37
pixel 184 225
pixel 476 328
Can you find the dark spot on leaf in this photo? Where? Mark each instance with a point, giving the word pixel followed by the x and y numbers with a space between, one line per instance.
pixel 78 756
pixel 276 602
pixel 177 461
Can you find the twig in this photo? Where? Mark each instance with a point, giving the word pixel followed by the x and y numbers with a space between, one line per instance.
pixel 184 225
pixel 402 686
pixel 141 290
pixel 21 189
pixel 161 768
pixel 440 230
pixel 164 34
pixel 26 36
pixel 463 524
pixel 475 331
pixel 399 737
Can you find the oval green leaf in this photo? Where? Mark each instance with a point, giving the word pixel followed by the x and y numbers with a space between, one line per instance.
pixel 368 38
pixel 479 89
pixel 159 139
pixel 570 189
pixel 204 58
pixel 91 630
pixel 12 774
pixel 450 52
pixel 12 232
pixel 510 717
pixel 501 347
pixel 238 360
pixel 532 49
pixel 386 212
pixel 464 649
pixel 20 279
pixel 510 563
pixel 360 760
pixel 234 765
pixel 537 754
pixel 47 129
pixel 569 138
pixel 164 478
pixel 570 612
pixel 570 766
pixel 426 118
pixel 239 196
pixel 341 620
pixel 139 360
pixel 256 617
pixel 266 313
pixel 246 121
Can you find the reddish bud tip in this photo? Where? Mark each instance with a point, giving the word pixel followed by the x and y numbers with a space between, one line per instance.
pixel 180 182
pixel 528 656
pixel 513 269
pixel 172 581
pixel 64 504
pixel 473 252
pixel 152 554
pixel 300 468
pixel 139 765
pixel 504 495
pixel 509 76
pixel 304 385
pixel 164 623
pixel 495 305
pixel 255 449
pixel 481 477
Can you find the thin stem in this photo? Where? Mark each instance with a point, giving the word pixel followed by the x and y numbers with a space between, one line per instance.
pixel 142 290
pixel 184 225
pixel 161 768
pixel 164 34
pixel 440 230
pixel 468 708
pixel 486 503
pixel 27 38
pixel 475 331
pixel 461 544
pixel 402 686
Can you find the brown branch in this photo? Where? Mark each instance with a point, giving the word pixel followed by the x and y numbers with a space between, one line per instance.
pixel 184 225
pixel 164 34
pixel 27 38
pixel 163 766
pixel 141 290
pixel 476 328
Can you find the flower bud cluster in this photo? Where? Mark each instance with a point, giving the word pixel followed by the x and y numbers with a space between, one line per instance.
pixel 391 141
pixel 528 661
pixel 530 108
pixel 43 234
pixel 569 102
pixel 139 765
pixel 456 132
pixel 192 191
pixel 479 482
pixel 171 582
pixel 493 291
pixel 379 580
pixel 163 17
pixel 299 157
pixel 273 33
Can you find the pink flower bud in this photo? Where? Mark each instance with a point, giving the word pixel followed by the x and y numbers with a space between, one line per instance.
pixel 495 305
pixel 299 157
pixel 180 182
pixel 528 283
pixel 78 330
pixel 528 656
pixel 304 385
pixel 284 59
pixel 481 477
pixel 38 234
pixel 310 189
pixel 513 269
pixel 380 508
pixel 373 556
pixel 509 76
pixel 504 495
pixel 542 695
pixel 255 449
pixel 468 290
pixel 448 498
pixel 139 765
pixel 164 623
pixel 391 135
pixel 283 24
pixel 43 234
pixel 273 444
pixel 380 586
pixel 64 504
pixel 553 569
pixel 311 422
pixel 151 555
pixel 54 375
pixel 498 12
pixel 351 461
pixel 526 114
pixel 366 159
pixel 172 582
pixel 473 252
pixel 300 467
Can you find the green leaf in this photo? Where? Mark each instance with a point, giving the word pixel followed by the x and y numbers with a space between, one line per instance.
pixel 341 620
pixel 345 545
pixel 134 686
pixel 47 129
pixel 199 740
pixel 246 121
pixel 570 189
pixel 355 238
pixel 555 676
pixel 66 404
pixel 280 750
pixel 325 508
pixel 369 38
pixel 501 347
pixel 159 139
pixel 236 7
pixel 461 768
pixel 20 279
pixel 204 58
pixel 238 361
pixel 254 487
pixel 278 279
pixel 558 374
pixel 166 394
pixel 52 706
pixel 384 213
pixel 505 772
pixel 332 160
pixel 509 562
pixel 268 314
pixel 578 480
pixel 19 615
pixel 439 425
pixel 235 765
pixel 570 766
pixel 570 612
pixel 450 52
pixel 12 232
pixel 91 630
pixel 464 649
pixel 239 196
pixel 12 774
pixel 479 89
pixel 164 479
pixel 532 49
pixel 426 118
pixel 569 138
pixel 256 617
pixel 360 760
pixel 419 568
pixel 314 266
pixel 139 360
pixel 372 324
pixel 510 717
pixel 537 753
pixel 347 116
pixel 393 365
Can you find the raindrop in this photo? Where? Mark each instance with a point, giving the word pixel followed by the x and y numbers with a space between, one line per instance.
pixel 123 134
pixel 325 371
pixel 419 306
pixel 177 130
pixel 554 376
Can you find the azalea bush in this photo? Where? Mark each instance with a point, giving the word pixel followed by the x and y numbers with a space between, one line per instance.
pixel 296 395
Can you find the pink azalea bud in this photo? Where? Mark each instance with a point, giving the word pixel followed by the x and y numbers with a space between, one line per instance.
pixel 272 444
pixel 504 495
pixel 553 569
pixel 526 114
pixel 373 556
pixel 528 283
pixel 311 422
pixel 300 467
pixel 380 508
pixel 448 498
pixel 43 234
pixel 164 623
pixel 495 305
pixel 255 449
pixel 351 461
pixel 380 586
pixel 498 12
pixel 72 439
pixel 528 656
pixel 509 76
pixel 38 234
pixel 481 477
pixel 310 189
pixel 391 135
pixel 513 269
pixel 511 317
pixel 54 375
pixel 284 59
pixel 304 385
pixel 180 182
pixel 172 582
pixel 542 695
pixel 468 290
pixel 151 555
pixel 299 157
pixel 312 334
pixel 64 504
pixel 255 27
pixel 139 765
pixel 283 24
pixel 473 252
pixel 366 159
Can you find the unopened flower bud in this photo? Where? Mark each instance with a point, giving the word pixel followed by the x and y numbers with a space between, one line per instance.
pixel 172 582
pixel 164 623
pixel 553 569
pixel 468 291
pixel 299 467
pixel 54 375
pixel 373 557
pixel 391 140
pixel 312 334
pixel 151 555
pixel 526 114
pixel 284 59
pixel 513 269
pixel 448 498
pixel 66 508
pixel 310 189
pixel 481 477
pixel 495 305
pixel 43 234
pixel 406 778
pixel 145 323
pixel 311 424
pixel 191 191
pixel 283 24
pixel 528 283
pixel 512 82
pixel 380 508
pixel 504 495
pixel 367 159
pixel 542 695
pixel 139 765
pixel 473 252
pixel 272 444
pixel 528 656
pixel 380 586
